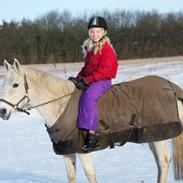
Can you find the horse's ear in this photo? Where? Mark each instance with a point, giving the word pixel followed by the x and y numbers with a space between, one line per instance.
pixel 16 64
pixel 6 64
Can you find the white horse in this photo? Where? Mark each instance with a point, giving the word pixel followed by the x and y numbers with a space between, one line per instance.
pixel 22 86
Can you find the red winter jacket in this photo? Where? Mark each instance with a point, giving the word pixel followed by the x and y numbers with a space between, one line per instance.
pixel 99 66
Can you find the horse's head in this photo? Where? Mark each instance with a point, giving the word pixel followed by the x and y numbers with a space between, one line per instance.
pixel 15 90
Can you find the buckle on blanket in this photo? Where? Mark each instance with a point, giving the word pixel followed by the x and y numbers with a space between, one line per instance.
pixel 49 130
pixel 54 141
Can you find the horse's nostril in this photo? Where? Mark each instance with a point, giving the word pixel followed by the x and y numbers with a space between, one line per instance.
pixel 2 111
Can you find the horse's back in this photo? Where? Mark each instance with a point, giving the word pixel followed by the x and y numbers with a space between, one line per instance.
pixel 148 104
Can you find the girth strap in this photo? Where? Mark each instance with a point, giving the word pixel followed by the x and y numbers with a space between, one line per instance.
pixel 132 131
pixel 109 133
pixel 113 138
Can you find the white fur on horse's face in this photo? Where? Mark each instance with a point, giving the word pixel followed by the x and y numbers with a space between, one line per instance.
pixel 14 88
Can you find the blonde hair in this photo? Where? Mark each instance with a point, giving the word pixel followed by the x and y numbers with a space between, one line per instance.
pixel 95 47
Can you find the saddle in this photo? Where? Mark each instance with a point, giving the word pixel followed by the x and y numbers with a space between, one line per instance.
pixel 139 111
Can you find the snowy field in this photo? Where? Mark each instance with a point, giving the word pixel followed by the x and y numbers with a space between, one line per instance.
pixel 26 154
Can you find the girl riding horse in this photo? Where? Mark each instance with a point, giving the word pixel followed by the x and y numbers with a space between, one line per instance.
pixel 95 77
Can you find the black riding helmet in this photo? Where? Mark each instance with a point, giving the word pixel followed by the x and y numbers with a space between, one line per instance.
pixel 97 21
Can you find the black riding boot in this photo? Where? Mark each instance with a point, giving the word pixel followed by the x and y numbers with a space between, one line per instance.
pixel 90 143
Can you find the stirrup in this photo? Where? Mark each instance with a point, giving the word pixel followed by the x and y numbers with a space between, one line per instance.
pixel 86 149
pixel 91 143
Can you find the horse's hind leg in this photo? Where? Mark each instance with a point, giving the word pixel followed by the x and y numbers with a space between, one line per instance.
pixel 70 164
pixel 86 161
pixel 162 157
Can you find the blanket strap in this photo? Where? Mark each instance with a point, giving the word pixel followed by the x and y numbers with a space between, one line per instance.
pixel 131 132
pixel 109 133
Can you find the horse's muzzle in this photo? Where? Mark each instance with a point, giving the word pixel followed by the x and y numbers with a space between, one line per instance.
pixel 3 114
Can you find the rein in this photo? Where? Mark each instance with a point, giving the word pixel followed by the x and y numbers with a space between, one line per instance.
pixel 25 110
pixel 50 101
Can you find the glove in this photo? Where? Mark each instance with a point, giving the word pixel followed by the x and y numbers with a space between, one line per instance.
pixel 79 82
pixel 73 79
pixel 82 84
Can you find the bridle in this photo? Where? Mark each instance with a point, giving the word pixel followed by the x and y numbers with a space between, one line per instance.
pixel 26 96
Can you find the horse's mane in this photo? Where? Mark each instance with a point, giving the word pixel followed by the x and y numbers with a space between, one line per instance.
pixel 48 81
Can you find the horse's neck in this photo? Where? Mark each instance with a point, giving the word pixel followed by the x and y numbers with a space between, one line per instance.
pixel 43 88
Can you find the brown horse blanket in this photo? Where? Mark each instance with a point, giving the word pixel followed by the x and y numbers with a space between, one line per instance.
pixel 142 110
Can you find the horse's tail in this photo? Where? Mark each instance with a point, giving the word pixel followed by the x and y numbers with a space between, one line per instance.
pixel 178 148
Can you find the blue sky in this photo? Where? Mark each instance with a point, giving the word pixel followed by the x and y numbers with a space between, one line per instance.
pixel 31 9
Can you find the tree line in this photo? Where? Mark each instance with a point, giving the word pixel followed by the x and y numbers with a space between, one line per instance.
pixel 57 36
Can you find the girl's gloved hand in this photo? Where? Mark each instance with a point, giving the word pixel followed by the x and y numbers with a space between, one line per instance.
pixel 79 82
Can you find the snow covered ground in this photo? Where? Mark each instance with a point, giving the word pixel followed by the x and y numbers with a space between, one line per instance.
pixel 26 154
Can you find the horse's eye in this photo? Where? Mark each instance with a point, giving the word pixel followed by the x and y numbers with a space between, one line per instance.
pixel 15 85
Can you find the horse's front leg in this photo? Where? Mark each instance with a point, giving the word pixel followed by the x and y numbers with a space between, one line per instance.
pixel 162 157
pixel 86 161
pixel 70 165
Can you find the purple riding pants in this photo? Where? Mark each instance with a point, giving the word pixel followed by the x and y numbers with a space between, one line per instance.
pixel 88 110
